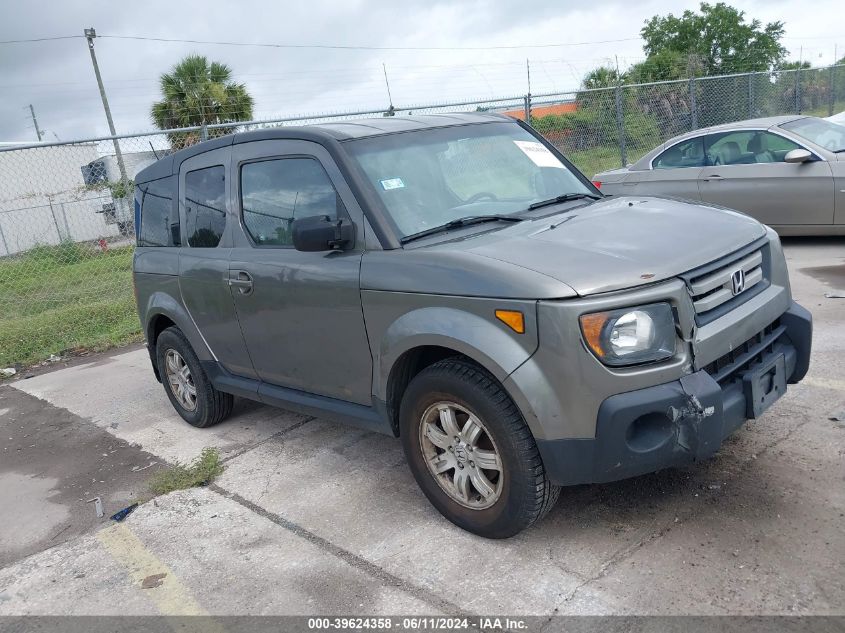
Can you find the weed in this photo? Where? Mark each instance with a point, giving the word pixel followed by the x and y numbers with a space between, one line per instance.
pixel 202 471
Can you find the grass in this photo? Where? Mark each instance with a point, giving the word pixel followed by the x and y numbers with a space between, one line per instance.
pixel 202 471
pixel 592 161
pixel 55 299
pixel 824 111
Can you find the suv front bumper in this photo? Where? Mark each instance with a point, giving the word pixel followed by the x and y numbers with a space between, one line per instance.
pixel 678 422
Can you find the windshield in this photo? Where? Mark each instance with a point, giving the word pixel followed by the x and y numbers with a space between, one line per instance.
pixel 428 178
pixel 822 133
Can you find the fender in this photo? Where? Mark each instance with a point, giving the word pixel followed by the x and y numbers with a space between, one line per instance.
pixel 473 332
pixel 162 303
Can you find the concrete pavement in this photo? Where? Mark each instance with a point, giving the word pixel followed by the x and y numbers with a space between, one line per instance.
pixel 314 517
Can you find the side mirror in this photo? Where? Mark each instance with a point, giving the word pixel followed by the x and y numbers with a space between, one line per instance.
pixel 797 156
pixel 321 233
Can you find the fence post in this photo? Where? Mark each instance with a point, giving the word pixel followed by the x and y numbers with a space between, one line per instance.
pixel 692 106
pixel 620 127
pixel 3 239
pixel 64 221
pixel 55 221
pixel 204 132
pixel 750 95
pixel 798 91
pixel 527 105
pixel 830 92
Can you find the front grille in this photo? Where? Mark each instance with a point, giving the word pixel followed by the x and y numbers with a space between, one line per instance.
pixel 732 365
pixel 712 289
pixel 711 286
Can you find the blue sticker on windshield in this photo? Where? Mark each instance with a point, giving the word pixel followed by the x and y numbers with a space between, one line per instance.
pixel 392 183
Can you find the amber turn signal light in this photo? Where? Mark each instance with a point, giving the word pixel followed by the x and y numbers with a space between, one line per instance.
pixel 513 319
pixel 591 326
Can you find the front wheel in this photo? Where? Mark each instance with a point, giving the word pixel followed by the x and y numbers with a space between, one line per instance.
pixel 471 452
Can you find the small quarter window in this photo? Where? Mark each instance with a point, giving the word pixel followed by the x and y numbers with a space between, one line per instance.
pixel 205 206
pixel 276 192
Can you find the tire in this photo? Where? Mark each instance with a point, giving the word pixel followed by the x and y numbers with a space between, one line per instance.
pixel 517 495
pixel 210 406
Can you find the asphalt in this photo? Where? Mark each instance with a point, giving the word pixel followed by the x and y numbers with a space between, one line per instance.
pixel 315 517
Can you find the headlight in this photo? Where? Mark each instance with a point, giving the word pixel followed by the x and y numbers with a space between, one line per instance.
pixel 631 335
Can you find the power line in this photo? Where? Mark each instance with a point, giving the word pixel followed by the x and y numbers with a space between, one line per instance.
pixel 345 71
pixel 368 48
pixel 42 39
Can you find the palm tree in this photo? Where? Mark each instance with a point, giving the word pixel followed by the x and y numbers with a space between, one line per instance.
pixel 196 92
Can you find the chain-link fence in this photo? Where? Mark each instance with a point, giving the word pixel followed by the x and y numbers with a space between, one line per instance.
pixel 66 209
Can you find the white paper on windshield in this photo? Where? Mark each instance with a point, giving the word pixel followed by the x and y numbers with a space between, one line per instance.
pixel 539 154
pixel 392 183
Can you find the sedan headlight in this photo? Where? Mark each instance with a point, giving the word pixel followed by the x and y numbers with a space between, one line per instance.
pixel 631 335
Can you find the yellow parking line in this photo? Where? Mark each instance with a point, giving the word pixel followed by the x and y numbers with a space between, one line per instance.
pixel 162 586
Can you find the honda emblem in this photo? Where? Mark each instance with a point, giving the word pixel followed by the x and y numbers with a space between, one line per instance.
pixel 738 281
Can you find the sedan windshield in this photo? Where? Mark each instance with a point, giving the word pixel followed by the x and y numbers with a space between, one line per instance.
pixel 428 178
pixel 822 133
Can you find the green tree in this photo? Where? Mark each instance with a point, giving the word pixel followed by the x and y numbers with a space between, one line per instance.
pixel 603 77
pixel 718 40
pixel 665 65
pixel 794 65
pixel 198 92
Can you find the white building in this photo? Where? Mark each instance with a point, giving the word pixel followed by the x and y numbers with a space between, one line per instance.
pixel 53 193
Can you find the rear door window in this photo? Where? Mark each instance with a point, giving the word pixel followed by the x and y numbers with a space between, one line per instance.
pixel 205 206
pixel 159 218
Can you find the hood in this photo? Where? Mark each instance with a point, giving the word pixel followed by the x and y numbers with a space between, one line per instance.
pixel 619 243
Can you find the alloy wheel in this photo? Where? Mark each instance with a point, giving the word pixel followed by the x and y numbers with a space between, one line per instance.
pixel 180 380
pixel 461 455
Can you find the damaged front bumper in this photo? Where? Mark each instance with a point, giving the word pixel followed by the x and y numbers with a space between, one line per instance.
pixel 678 422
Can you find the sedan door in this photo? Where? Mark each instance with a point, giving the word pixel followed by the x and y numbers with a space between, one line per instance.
pixel 747 172
pixel 300 312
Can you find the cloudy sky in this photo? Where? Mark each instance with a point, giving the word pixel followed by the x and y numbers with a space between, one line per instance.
pixel 567 38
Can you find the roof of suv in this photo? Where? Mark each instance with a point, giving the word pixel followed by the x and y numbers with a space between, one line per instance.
pixel 360 128
pixel 335 130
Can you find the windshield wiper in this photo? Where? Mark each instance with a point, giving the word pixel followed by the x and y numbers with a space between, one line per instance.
pixel 564 198
pixel 460 222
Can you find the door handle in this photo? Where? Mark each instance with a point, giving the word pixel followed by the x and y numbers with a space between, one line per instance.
pixel 241 280
pixel 713 177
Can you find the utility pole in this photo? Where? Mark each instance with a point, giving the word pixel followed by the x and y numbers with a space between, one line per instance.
pixel 35 122
pixel 90 34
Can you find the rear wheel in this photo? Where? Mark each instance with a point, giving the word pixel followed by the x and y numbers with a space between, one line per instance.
pixel 471 452
pixel 188 388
